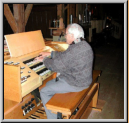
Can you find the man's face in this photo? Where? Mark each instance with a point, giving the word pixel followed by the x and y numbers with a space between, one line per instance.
pixel 69 37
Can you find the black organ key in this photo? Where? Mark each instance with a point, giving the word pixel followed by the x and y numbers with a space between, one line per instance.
pixel 41 71
pixel 36 65
pixel 29 60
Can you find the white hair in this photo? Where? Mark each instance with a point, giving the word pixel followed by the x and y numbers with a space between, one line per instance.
pixel 76 29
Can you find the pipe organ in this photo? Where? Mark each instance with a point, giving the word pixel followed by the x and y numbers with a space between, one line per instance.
pixel 23 77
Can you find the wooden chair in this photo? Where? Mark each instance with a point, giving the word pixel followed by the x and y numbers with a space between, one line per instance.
pixel 76 105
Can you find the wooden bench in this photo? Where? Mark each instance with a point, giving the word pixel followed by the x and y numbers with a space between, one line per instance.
pixel 76 105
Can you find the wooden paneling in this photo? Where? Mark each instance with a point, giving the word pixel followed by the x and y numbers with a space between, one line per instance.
pixel 12 84
pixel 39 19
pixel 72 10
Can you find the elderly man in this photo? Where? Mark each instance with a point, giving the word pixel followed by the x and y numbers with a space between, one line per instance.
pixel 74 65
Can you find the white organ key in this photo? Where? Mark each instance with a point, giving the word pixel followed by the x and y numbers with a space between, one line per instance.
pixel 40 66
pixel 34 68
pixel 31 63
pixel 47 71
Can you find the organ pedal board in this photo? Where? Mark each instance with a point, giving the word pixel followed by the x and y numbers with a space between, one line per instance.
pixel 38 114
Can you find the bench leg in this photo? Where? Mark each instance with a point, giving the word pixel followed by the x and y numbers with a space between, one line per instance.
pixel 95 98
pixel 100 105
pixel 97 104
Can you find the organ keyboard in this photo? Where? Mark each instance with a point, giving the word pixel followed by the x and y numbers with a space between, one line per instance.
pixel 22 75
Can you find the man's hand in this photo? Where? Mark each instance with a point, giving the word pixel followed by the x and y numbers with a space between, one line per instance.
pixel 39 59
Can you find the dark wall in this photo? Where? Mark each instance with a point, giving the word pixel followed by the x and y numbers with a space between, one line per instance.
pixel 6 27
pixel 38 19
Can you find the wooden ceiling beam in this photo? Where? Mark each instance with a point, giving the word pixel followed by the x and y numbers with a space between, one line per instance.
pixel 19 17
pixel 19 20
pixel 27 12
pixel 9 16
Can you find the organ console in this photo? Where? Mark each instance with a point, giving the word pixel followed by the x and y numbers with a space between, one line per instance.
pixel 23 78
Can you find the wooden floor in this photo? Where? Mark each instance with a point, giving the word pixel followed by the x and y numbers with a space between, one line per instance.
pixel 110 59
